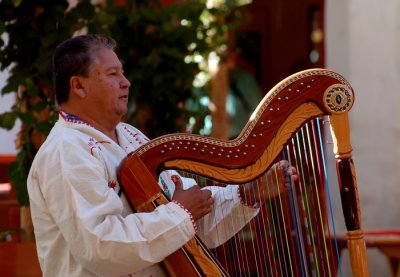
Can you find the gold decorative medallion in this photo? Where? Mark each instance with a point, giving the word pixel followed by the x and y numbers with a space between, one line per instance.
pixel 338 98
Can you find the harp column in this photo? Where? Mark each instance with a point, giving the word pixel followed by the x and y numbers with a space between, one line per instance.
pixel 339 99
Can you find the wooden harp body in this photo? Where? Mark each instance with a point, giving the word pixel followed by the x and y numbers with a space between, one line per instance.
pixel 293 237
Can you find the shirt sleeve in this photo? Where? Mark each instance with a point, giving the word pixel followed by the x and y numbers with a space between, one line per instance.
pixel 229 215
pixel 71 190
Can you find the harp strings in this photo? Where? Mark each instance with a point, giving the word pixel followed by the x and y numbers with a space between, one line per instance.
pixel 308 181
pixel 335 257
pixel 292 233
pixel 319 253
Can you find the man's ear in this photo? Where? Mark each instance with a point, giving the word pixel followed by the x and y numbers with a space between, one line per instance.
pixel 77 87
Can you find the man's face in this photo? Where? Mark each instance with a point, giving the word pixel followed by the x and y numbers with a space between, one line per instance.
pixel 106 87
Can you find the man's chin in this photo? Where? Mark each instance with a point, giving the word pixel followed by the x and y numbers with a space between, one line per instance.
pixel 123 115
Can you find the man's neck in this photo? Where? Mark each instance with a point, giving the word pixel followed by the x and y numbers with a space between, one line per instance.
pixel 105 125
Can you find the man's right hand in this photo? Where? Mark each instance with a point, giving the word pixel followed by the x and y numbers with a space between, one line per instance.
pixel 198 202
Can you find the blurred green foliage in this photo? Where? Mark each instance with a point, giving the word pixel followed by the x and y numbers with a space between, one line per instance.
pixel 164 48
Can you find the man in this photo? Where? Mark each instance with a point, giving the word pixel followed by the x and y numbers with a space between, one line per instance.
pixel 83 223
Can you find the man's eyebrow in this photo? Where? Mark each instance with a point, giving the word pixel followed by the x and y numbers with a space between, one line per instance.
pixel 114 67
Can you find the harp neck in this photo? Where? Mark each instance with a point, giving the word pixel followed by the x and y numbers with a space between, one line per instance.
pixel 286 107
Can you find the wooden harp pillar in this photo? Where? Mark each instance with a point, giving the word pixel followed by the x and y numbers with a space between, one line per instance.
pixel 272 129
pixel 348 188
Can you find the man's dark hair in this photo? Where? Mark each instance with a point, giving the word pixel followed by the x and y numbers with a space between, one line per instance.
pixel 74 57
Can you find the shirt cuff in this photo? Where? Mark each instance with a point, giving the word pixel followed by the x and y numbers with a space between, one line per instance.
pixel 243 202
pixel 188 213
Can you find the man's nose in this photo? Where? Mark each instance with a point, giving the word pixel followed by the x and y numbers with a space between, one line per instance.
pixel 125 83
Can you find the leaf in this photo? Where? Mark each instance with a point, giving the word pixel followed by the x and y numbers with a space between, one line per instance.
pixel 7 120
pixel 27 118
pixel 17 3
pixel 44 127
pixel 153 44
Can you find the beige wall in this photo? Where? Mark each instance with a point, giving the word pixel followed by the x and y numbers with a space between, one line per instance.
pixel 363 44
pixel 7 138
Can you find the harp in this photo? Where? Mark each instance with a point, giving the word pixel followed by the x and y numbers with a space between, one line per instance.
pixel 294 232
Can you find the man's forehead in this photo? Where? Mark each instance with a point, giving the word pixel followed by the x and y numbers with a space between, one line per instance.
pixel 105 59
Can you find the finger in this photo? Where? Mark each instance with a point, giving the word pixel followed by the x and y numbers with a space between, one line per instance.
pixel 288 175
pixel 177 181
pixel 206 193
pixel 208 197
pixel 283 163
pixel 291 171
pixel 292 177
pixel 279 172
pixel 211 201
pixel 279 166
pixel 295 177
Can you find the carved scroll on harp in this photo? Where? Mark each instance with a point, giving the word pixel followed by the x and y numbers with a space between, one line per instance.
pixel 285 126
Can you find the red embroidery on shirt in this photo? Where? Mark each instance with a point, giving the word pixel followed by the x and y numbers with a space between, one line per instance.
pixel 112 184
pixel 95 144
pixel 137 136
pixel 72 119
